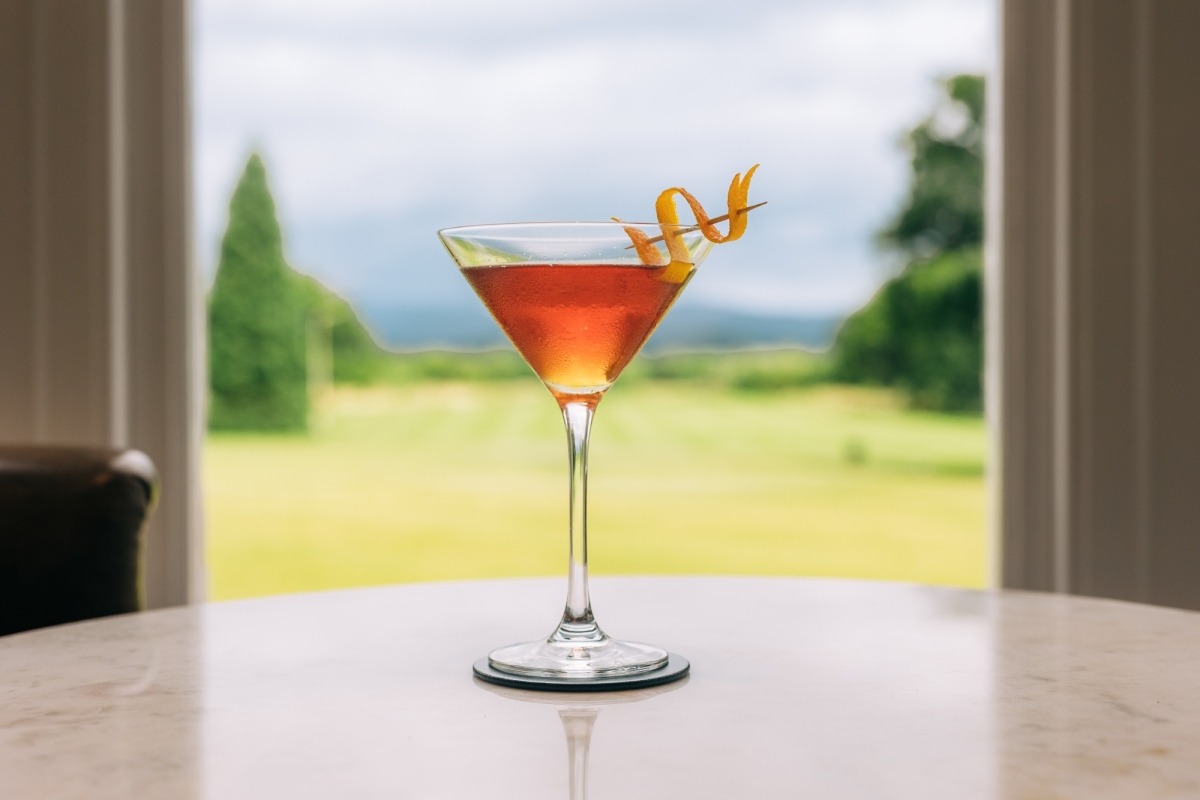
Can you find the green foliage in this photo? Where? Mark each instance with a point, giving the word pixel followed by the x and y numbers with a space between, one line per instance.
pixel 750 371
pixel 272 331
pixel 338 341
pixel 746 370
pixel 256 320
pixel 923 331
pixel 944 210
pixel 443 365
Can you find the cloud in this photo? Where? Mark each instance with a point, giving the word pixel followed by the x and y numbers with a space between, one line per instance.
pixel 383 120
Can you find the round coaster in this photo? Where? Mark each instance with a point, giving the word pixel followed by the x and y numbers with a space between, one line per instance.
pixel 676 668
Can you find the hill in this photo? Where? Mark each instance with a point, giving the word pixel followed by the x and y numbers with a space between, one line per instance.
pixel 470 328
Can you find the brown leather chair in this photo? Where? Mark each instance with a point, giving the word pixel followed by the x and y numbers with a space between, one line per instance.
pixel 71 522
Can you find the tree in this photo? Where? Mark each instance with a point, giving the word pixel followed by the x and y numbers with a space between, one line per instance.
pixel 923 331
pixel 338 339
pixel 944 210
pixel 256 316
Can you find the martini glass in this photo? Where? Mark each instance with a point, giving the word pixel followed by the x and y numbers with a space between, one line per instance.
pixel 578 303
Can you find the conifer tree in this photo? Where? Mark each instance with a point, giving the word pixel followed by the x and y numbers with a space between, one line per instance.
pixel 256 320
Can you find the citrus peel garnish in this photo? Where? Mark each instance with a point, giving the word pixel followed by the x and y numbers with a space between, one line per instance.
pixel 680 263
pixel 646 250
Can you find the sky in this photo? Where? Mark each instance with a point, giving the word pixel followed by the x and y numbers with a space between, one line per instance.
pixel 381 121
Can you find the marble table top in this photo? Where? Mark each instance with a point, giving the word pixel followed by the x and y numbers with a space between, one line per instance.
pixel 799 688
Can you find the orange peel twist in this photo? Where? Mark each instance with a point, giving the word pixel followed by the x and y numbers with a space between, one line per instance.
pixel 680 264
pixel 646 250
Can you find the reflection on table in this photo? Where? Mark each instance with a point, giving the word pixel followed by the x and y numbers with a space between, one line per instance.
pixel 578 711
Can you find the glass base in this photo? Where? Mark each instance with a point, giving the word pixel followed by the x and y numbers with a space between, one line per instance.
pixel 555 658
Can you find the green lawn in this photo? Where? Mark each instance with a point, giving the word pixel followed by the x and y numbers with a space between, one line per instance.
pixel 435 481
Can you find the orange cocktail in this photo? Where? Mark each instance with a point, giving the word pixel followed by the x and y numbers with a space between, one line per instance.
pixel 576 325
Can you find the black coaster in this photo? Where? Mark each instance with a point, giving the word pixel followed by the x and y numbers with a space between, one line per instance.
pixel 676 668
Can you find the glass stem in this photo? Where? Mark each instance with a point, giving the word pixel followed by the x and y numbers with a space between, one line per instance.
pixel 577 624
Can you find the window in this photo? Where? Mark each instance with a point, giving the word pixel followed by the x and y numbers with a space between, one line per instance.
pixel 725 449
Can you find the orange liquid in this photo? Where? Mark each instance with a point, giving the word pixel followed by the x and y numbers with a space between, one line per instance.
pixel 577 326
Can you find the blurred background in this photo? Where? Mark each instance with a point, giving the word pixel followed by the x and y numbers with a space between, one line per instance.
pixel 811 406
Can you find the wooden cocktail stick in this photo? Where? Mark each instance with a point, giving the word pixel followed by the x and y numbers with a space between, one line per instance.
pixel 721 218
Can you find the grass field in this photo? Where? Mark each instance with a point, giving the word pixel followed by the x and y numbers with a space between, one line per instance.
pixel 434 481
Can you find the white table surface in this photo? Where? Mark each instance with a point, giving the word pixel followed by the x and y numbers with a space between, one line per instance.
pixel 799 688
